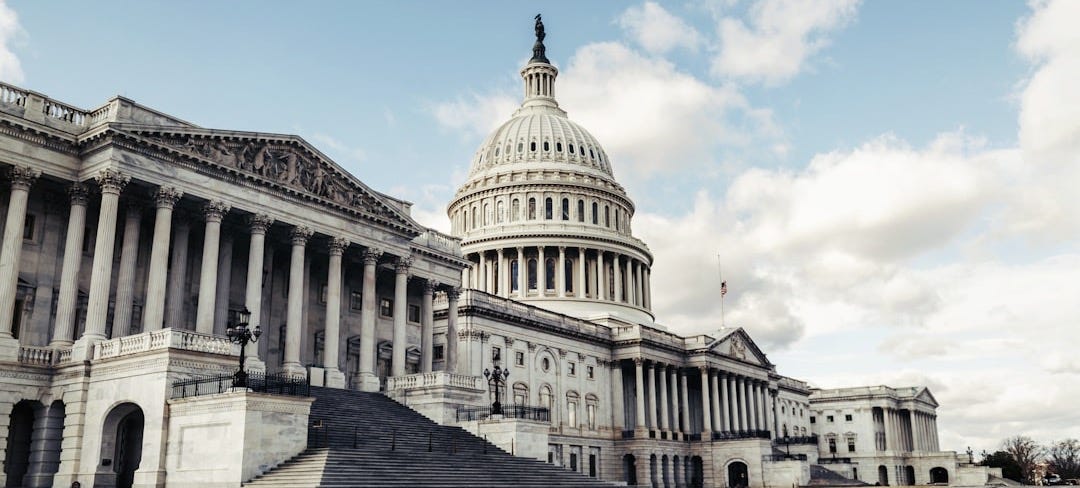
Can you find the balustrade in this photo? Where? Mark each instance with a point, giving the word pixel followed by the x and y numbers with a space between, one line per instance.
pixel 184 340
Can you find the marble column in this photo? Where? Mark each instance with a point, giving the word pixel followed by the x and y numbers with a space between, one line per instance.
pixel 500 271
pixel 601 276
pixel 645 282
pixel 650 404
pixel 452 363
pixel 125 277
pixel 213 213
pixel 581 287
pixel 684 400
pixel 174 295
pixel 664 425
pixel 725 399
pixel 294 310
pixel 560 273
pixel 481 272
pixel 639 298
pixel 616 262
pixel 258 225
pixel 401 296
pixel 541 272
pixel 755 402
pixel 733 403
pixel 64 329
pixel 332 332
pixel 522 270
pixel 369 381
pixel 740 402
pixel 427 320
pixel 165 199
pixel 639 378
pixel 629 276
pixel 618 409
pixel 718 420
pixel 674 393
pixel 21 179
pixel 706 409
pixel 112 183
pixel 224 283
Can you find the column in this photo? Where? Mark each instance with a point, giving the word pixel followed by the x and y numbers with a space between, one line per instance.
pixel 581 287
pixel 733 404
pixel 629 276
pixel 500 269
pixel 645 282
pixel 294 315
pixel 651 404
pixel 740 390
pixel 774 417
pixel 601 276
pixel 618 412
pixel 560 273
pixel 615 261
pixel 664 424
pixel 401 296
pixel 639 378
pixel 165 199
pixel 332 333
pixel 718 421
pixel 21 179
pixel 638 295
pixel 224 283
pixel 684 393
pixel 125 277
pixel 368 380
pixel 112 183
pixel 725 402
pixel 174 294
pixel 541 272
pixel 258 224
pixel 69 273
pixel 755 401
pixel 675 426
pixel 481 272
pixel 427 319
pixel 452 330
pixel 706 409
pixel 522 272
pixel 213 212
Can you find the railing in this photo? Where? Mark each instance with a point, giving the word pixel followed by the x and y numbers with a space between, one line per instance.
pixel 184 340
pixel 538 414
pixel 742 434
pixel 64 112
pixel 784 457
pixel 435 378
pixel 811 440
pixel 437 240
pixel 12 95
pixel 277 384
pixel 834 460
pixel 476 298
pixel 39 355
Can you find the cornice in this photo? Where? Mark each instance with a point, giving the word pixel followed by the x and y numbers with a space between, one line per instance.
pixel 540 186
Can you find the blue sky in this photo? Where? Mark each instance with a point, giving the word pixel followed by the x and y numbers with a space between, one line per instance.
pixel 889 184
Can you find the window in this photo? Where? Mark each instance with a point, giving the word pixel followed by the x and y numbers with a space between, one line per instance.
pixel 532 274
pixel 496 354
pixel 558 147
pixel 322 294
pixel 550 278
pixel 500 210
pixel 28 227
pixel 532 209
pixel 590 410
pixel 571 147
pixel 813 419
pixel 545 364
pixel 571 368
pixel 850 444
pixel 832 445
pixel 595 214
pixel 513 275
pixel 521 147
pixel 783 409
pixel 487 214
pixel 515 210
pixel 573 461
pixel 572 400
pixel 547 147
pixel 356 301
pixel 521 394
pixel 548 208
pixel 438 353
pixel 616 219
pixel 590 373
pixel 414 313
pixel 847 417
pixel 532 146
pixel 828 418
pixel 565 209
pixel 581 210
pixel 519 358
pixel 545 398
pixel 568 275
pixel 607 216
pixel 386 307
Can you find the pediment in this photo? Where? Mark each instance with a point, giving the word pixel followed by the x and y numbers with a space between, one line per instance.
pixel 283 162
pixel 738 344
pixel 925 396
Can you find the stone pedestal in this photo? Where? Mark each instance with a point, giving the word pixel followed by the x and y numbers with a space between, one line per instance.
pixel 316 376
pixel 9 348
pixel 367 382
pixel 83 349
pixel 335 379
pixel 520 437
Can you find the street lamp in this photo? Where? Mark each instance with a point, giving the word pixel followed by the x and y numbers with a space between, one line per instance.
pixel 239 333
pixel 496 379
pixel 787 445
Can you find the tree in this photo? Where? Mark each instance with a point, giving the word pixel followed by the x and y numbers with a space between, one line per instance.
pixel 1064 458
pixel 1003 460
pixel 1025 452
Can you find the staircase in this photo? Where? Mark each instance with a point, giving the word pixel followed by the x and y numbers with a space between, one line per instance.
pixel 360 439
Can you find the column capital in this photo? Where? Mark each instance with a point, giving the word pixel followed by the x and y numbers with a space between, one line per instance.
pixel 337 245
pixel 499 251
pixel 259 223
pixel 214 211
pixel 562 249
pixel 112 181
pixel 639 361
pixel 300 235
pixel 166 197
pixel 23 176
pixel 78 194
pixel 430 286
pixel 402 265
pixel 453 293
pixel 704 369
pixel 372 255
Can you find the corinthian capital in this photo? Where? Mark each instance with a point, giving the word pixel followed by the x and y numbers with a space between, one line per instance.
pixel 372 255
pixel 166 197
pixel 300 235
pixel 337 245
pixel 214 211
pixel 112 181
pixel 259 223
pixel 430 286
pixel 403 264
pixel 453 293
pixel 79 194
pixel 22 177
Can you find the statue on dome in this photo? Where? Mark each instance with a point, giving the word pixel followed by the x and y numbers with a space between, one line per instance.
pixel 538 48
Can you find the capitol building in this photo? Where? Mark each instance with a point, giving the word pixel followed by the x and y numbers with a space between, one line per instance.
pixel 134 242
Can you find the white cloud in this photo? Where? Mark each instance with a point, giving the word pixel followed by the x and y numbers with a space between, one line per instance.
pixel 657 30
pixel 10 31
pixel 475 114
pixel 778 37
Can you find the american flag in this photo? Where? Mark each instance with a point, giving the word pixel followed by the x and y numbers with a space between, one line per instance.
pixel 723 288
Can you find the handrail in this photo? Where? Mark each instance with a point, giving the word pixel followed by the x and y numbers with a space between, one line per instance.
pixel 277 384
pixel 539 414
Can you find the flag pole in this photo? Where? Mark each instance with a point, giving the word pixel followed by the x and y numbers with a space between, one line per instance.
pixel 720 270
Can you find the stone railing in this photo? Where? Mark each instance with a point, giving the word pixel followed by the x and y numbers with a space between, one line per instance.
pixel 481 299
pixel 435 378
pixel 525 227
pixel 12 95
pixel 39 355
pixel 437 240
pixel 184 340
pixel 38 106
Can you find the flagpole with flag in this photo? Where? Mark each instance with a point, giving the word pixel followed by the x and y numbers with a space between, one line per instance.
pixel 723 290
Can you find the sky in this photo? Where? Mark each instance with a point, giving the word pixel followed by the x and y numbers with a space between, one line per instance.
pixel 889 188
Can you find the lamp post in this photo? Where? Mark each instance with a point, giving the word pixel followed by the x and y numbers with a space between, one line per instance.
pixel 496 379
pixel 787 445
pixel 240 333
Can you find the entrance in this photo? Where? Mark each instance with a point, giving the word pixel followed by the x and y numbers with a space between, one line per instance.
pixel 909 473
pixel 883 475
pixel 939 475
pixel 20 429
pixel 737 475
pixel 121 446
pixel 629 470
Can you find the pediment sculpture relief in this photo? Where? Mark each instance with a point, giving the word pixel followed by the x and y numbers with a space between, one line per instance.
pixel 738 349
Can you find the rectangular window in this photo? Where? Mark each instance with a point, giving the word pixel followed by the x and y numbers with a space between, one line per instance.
pixel 28 227
pixel 851 445
pixel 832 446
pixel 414 313
pixel 592 465
pixel 438 353
pixel 573 461
pixel 813 419
pixel 322 294
pixel 356 301
pixel 571 369
pixel 590 412
pixel 847 417
pixel 590 372
pixel 496 354
pixel 519 358
pixel 386 307
pixel 828 418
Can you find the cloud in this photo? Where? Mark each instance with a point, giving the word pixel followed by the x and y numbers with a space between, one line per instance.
pixel 657 30
pixel 10 30
pixel 475 114
pixel 340 149
pixel 774 43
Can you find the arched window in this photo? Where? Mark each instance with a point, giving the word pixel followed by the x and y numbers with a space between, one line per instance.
pixel 532 146
pixel 591 155
pixel 496 151
pixel 607 216
pixel 500 214
pixel 616 218
pixel 532 209
pixel 548 208
pixel 513 275
pixel 572 401
pixel 546 400
pixel 487 214
pixel 547 147
pixel 475 217
pixel 581 210
pixel 571 147
pixel 591 404
pixel 558 147
pixel 582 149
pixel 465 219
pixel 550 278
pixel 595 214
pixel 566 209
pixel 521 147
pixel 521 394
pixel 515 209
pixel 568 275
pixel 532 274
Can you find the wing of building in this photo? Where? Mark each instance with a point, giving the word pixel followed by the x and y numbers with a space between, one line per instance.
pixel 137 245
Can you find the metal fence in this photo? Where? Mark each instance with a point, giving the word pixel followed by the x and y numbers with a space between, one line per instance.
pixel 784 457
pixel 807 440
pixel 741 434
pixel 539 414
pixel 276 384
